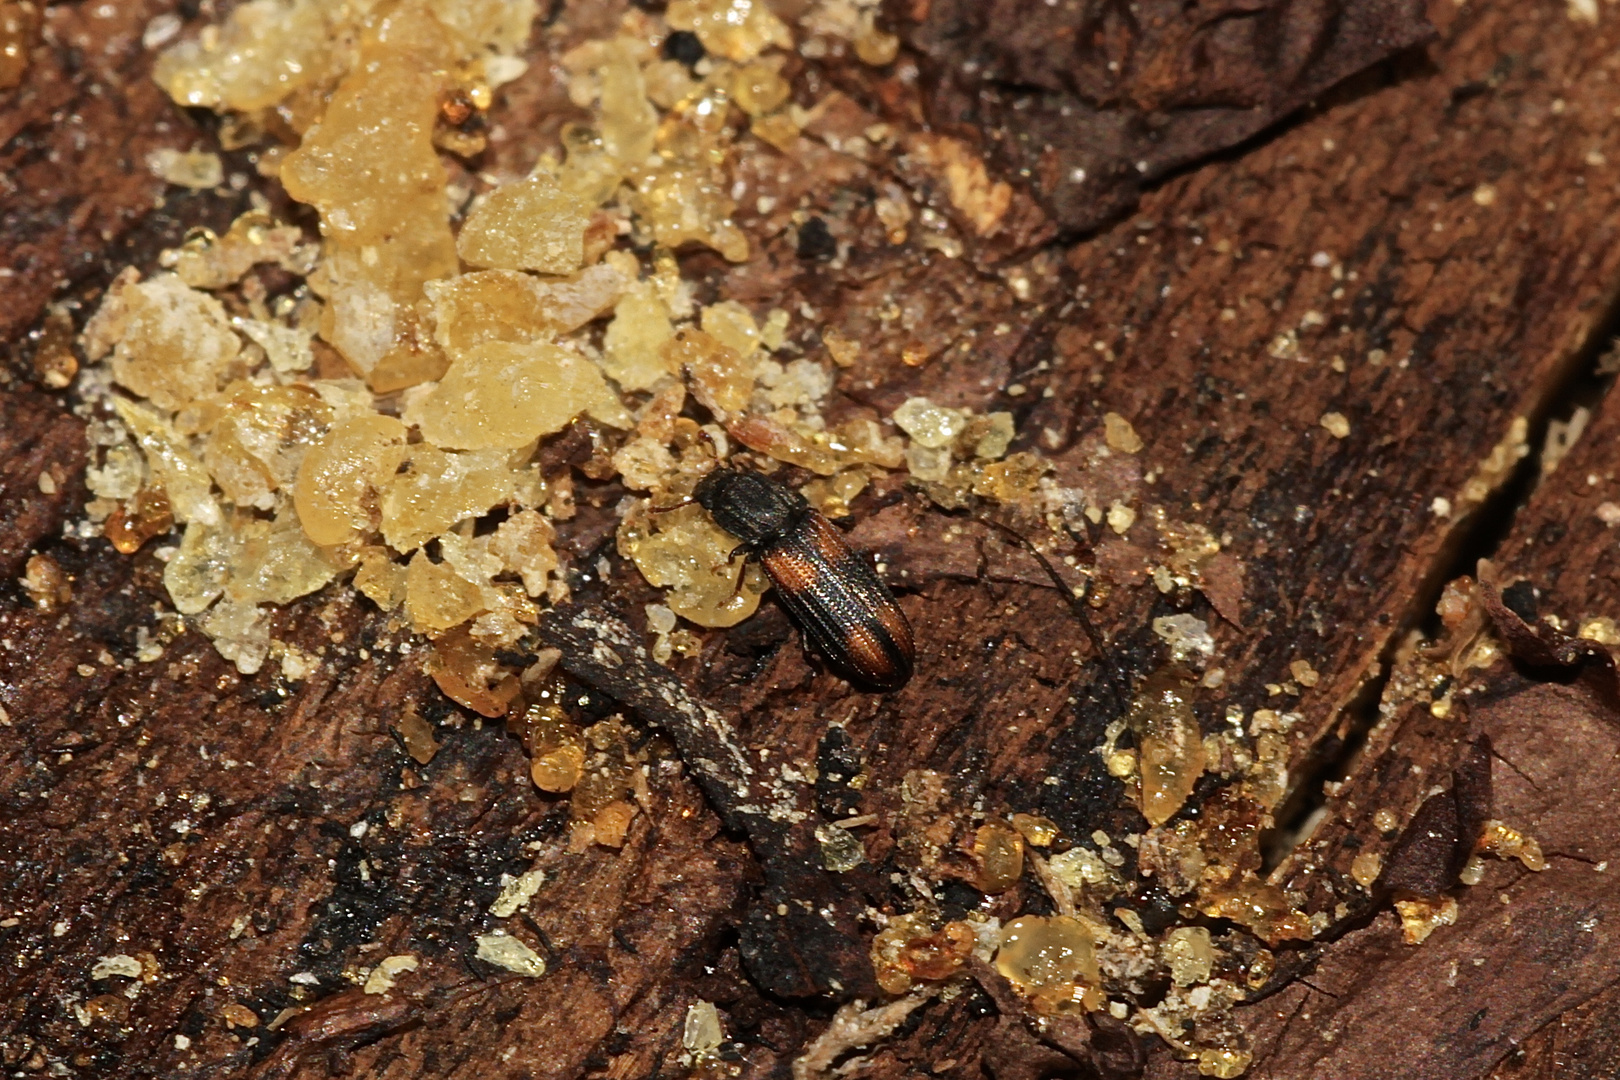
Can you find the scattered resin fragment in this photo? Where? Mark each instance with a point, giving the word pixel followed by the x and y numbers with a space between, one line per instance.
pixel 1187 635
pixel 1506 842
pixel 417 735
pixel 195 169
pixel 437 488
pixel 1052 962
pixel 505 395
pixel 274 562
pixel 629 121
pixel 556 746
pixel 172 464
pixel 999 851
pixel 255 437
pixel 612 823
pixel 1264 910
pixel 1224 1062
pixel 689 204
pixel 505 951
pixel 241 633
pixel 524 543
pixel 173 343
pixel 1012 479
pixel 369 166
pixel 734 29
pixel 531 225
pixel 207 261
pixel 144 516
pixel 503 24
pixel 505 305
pixel 196 573
pixel 436 597
pixel 1261 969
pixel 1082 868
pixel 380 579
pixel 54 362
pixel 1189 955
pixel 633 347
pixel 1366 867
pixel 841 849
pixel 832 495
pixel 929 425
pixel 644 464
pixel 759 88
pixel 988 436
pixel 45 582
pixel 1120 435
pixel 875 47
pixel 469 674
pixel 910 949
pixel 702 1032
pixel 338 481
pixel 264 51
pixel 722 378
pixel 685 552
pixel 1170 747
pixel 733 326
pixel 1423 915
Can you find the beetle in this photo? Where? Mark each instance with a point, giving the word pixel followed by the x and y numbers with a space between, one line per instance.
pixel 845 611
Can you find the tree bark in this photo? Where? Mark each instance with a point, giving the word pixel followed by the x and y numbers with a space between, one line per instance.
pixel 1333 343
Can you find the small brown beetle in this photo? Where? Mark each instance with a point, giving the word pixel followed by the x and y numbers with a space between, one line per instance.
pixel 847 614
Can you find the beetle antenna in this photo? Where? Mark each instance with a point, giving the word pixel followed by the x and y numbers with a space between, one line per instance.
pixel 1111 670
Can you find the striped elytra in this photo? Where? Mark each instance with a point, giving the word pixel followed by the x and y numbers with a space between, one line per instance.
pixel 846 612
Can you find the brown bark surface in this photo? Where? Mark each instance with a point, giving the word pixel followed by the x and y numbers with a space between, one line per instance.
pixel 1429 252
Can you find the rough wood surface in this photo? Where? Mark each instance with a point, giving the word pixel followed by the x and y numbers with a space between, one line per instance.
pixel 1443 227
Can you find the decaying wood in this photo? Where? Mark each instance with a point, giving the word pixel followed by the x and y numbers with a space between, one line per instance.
pixel 1429 252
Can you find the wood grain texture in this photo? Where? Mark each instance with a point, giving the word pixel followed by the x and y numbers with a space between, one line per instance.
pixel 243 831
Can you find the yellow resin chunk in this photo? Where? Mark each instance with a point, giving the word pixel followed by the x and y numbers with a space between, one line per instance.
pixel 629 121
pixel 722 378
pixel 196 573
pixel 255 436
pixel 734 29
pixel 1171 749
pixel 1052 961
pixel 276 563
pixel 439 489
pixel 173 343
pixel 685 552
pixel 369 166
pixel 506 395
pixel 633 346
pixel 502 24
pixel 686 203
pixel 207 261
pixel 266 50
pixel 380 579
pixel 733 326
pixel 173 465
pixel 524 544
pixel 436 597
pixel 530 225
pixel 337 485
pixel 506 305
